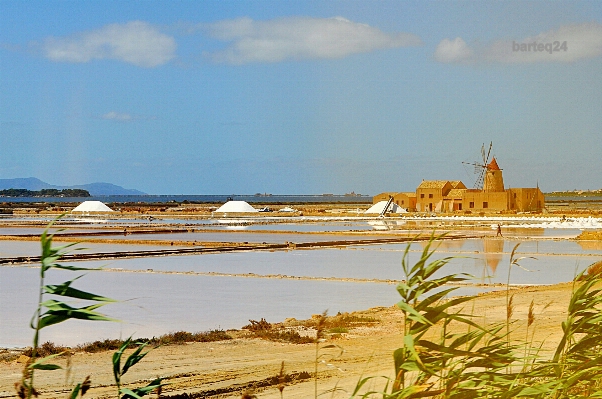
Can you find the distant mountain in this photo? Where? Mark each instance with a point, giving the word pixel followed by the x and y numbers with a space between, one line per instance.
pixel 30 183
pixel 107 189
pixel 33 184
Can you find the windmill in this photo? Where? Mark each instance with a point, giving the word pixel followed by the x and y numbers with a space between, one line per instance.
pixel 481 168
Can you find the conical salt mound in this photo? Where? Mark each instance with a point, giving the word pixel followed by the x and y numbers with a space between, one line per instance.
pixel 380 206
pixel 92 206
pixel 236 207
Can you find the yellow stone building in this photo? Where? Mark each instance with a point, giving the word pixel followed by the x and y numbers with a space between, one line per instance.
pixel 404 200
pixel 453 196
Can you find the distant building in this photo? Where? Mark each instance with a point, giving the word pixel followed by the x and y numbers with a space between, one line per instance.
pixel 453 196
pixel 404 200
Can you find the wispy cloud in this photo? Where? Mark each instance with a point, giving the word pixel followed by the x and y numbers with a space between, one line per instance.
pixel 298 38
pixel 124 117
pixel 117 116
pixel 135 42
pixel 569 43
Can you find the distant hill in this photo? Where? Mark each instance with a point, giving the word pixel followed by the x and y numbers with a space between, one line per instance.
pixel 30 183
pixel 107 189
pixel 34 184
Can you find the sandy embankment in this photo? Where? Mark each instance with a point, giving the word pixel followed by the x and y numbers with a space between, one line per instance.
pixel 243 362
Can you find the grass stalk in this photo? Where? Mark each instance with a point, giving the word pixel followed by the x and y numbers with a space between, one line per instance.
pixel 57 309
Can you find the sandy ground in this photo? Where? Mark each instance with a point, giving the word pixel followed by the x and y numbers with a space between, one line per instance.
pixel 225 369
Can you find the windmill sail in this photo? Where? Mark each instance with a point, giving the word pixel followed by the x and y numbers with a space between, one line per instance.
pixel 480 168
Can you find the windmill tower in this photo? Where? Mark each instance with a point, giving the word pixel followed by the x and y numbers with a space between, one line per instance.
pixel 489 173
pixel 494 181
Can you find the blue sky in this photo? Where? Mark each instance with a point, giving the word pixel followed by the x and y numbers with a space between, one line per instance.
pixel 299 97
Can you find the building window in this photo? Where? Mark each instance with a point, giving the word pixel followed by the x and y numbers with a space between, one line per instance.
pixel 459 207
pixel 430 195
pixel 485 205
pixel 471 204
pixel 421 195
pixel 402 201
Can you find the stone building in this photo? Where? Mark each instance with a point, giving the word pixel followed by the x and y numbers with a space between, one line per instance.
pixel 453 196
pixel 433 195
pixel 404 200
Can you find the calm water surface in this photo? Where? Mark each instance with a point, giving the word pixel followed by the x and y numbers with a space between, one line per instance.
pixel 157 302
pixel 383 262
pixel 10 249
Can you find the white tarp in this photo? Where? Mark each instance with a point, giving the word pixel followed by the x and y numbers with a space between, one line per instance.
pixel 92 206
pixel 287 209
pixel 379 206
pixel 236 207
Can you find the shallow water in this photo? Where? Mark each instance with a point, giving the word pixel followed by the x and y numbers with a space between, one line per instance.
pixel 368 262
pixel 531 246
pixel 20 231
pixel 164 302
pixel 9 249
pixel 177 302
pixel 512 226
pixel 246 237
pixel 309 227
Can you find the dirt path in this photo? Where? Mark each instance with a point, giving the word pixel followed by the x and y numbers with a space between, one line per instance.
pixel 225 369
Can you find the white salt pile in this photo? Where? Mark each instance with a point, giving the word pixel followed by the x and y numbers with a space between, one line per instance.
pixel 92 206
pixel 380 206
pixel 236 207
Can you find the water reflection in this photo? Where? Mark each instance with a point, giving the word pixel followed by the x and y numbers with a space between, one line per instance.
pixel 486 252
pixel 386 224
pixel 446 245
pixel 490 255
pixel 590 245
pixel 524 231
pixel 493 249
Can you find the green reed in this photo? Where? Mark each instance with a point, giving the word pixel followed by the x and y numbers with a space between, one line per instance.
pixel 485 362
pixel 53 308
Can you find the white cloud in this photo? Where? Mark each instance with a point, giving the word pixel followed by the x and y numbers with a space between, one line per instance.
pixel 452 51
pixel 299 38
pixel 125 117
pixel 135 42
pixel 117 116
pixel 569 43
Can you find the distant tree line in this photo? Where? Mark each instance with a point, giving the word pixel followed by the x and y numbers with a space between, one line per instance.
pixel 45 192
pixel 573 193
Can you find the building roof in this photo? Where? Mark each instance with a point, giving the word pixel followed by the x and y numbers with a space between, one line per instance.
pixel 433 183
pixel 407 194
pixel 456 193
pixel 457 184
pixel 493 165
